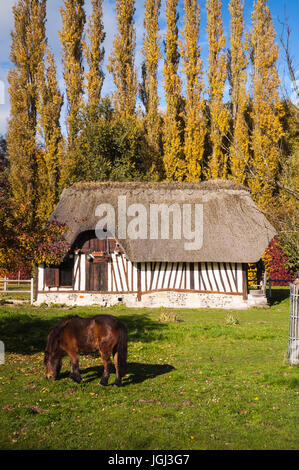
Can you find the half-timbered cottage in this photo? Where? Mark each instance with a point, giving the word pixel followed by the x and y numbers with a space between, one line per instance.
pixel 156 244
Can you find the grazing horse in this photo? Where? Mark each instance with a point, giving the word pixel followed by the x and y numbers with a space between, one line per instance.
pixel 74 335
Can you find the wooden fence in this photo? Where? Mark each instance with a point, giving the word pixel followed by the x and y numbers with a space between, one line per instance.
pixel 293 352
pixel 6 287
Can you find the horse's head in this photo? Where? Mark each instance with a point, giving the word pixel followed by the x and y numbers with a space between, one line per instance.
pixel 52 365
pixel 52 357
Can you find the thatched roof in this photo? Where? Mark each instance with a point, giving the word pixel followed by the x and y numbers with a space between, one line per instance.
pixel 233 229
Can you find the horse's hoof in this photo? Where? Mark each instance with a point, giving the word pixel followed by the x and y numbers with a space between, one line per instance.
pixel 76 379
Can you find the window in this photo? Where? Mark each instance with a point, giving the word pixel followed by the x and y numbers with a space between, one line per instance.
pixel 66 273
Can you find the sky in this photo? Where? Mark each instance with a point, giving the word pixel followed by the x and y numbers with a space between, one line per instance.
pixel 277 7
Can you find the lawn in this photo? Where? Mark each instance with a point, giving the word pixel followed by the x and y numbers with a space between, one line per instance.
pixel 196 379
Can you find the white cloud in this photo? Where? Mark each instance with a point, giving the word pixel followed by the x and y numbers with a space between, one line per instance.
pixel 6 16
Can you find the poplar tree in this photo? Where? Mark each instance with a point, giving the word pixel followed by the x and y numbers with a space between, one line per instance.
pixel 94 53
pixel 217 74
pixel 267 109
pixel 174 162
pixel 195 121
pixel 122 59
pixel 49 108
pixel 27 52
pixel 73 21
pixel 239 148
pixel 149 90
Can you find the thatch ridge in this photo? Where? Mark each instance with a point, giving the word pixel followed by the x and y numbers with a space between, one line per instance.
pixel 210 185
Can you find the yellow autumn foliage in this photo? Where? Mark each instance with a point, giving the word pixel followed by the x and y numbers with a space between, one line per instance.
pixel 267 109
pixel 94 53
pixel 49 106
pixel 239 142
pixel 174 160
pixel 195 119
pixel 217 73
pixel 152 54
pixel 122 59
pixel 73 21
pixel 27 52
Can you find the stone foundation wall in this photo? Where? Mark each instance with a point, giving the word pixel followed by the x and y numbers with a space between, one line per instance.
pixel 167 299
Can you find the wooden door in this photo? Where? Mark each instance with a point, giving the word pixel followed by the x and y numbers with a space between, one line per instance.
pixel 97 276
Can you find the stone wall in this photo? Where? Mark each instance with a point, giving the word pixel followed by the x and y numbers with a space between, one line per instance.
pixel 167 299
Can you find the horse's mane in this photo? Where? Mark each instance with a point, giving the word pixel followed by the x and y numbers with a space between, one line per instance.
pixel 54 335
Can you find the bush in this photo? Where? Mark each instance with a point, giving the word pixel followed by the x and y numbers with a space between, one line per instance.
pixel 276 261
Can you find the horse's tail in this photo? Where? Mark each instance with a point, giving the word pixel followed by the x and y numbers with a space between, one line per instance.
pixel 122 349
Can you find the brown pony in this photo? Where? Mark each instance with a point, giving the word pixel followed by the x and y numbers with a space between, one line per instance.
pixel 74 335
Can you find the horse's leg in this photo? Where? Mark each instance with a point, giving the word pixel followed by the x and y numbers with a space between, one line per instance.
pixel 75 373
pixel 105 354
pixel 118 376
pixel 58 368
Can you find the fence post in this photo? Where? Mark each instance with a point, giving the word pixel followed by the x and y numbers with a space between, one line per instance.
pixel 293 352
pixel 5 284
pixel 264 283
pixel 31 291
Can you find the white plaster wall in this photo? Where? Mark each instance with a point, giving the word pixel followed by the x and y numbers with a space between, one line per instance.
pixel 40 277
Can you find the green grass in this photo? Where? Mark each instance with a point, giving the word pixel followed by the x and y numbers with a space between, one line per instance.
pixel 196 379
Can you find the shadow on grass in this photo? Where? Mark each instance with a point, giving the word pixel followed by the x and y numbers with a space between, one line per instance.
pixel 26 333
pixel 277 296
pixel 136 373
